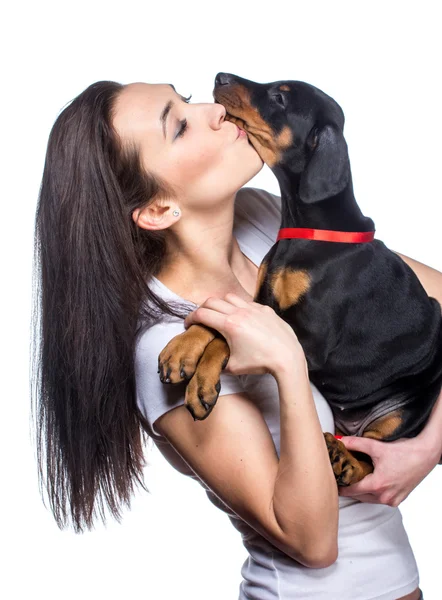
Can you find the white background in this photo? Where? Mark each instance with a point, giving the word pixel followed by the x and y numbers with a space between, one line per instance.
pixel 380 61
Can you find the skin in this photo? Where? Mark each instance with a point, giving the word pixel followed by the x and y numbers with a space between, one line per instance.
pixel 206 166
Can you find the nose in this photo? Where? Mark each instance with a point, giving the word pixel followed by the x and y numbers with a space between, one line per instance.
pixel 217 115
pixel 223 79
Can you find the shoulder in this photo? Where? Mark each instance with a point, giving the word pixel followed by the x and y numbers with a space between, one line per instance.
pixel 157 336
pixel 153 397
pixel 252 201
pixel 257 212
pixel 430 279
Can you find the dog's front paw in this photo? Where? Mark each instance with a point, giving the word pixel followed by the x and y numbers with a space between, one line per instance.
pixel 201 395
pixel 178 360
pixel 203 389
pixel 346 467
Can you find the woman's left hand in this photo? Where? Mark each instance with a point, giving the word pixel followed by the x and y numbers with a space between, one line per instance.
pixel 399 467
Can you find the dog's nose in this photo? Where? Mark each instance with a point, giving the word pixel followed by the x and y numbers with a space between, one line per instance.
pixel 223 79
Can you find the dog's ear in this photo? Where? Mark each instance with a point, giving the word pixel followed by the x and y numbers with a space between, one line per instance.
pixel 328 170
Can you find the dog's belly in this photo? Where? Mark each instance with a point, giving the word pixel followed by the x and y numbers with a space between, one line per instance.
pixel 356 421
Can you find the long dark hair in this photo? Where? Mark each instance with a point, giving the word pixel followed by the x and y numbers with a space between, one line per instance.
pixel 91 269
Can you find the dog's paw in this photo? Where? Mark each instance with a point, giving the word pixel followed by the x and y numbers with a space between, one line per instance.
pixel 346 467
pixel 201 394
pixel 178 361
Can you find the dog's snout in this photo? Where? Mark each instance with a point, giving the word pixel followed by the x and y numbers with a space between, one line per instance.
pixel 223 79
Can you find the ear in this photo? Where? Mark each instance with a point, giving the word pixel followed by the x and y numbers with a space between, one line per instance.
pixel 156 215
pixel 328 171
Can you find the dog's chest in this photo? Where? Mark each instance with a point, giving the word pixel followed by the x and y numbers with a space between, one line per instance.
pixel 295 269
pixel 359 312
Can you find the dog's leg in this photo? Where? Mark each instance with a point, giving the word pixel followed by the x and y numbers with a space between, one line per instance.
pixel 178 360
pixel 346 467
pixel 204 387
pixel 351 467
pixel 195 355
pixel 198 356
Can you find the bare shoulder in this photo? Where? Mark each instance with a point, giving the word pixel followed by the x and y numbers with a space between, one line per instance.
pixel 431 279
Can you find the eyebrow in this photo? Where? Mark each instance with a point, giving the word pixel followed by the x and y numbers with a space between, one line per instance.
pixel 165 112
pixel 163 116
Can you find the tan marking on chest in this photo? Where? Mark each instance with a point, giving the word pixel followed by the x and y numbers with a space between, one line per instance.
pixel 289 286
pixel 384 426
pixel 261 276
pixel 284 88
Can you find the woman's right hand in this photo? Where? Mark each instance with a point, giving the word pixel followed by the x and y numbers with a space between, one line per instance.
pixel 259 340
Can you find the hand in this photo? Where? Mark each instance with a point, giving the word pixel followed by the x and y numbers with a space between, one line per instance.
pixel 399 467
pixel 258 339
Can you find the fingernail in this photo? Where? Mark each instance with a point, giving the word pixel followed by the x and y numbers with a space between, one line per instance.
pixel 338 437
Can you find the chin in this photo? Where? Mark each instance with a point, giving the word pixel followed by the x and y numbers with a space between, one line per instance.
pixel 248 175
pixel 255 165
pixel 243 170
pixel 257 161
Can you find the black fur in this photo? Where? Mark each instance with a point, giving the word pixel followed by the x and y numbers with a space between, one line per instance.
pixel 370 332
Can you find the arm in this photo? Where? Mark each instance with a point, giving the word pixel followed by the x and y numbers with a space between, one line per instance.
pixel 431 280
pixel 292 502
pixel 400 466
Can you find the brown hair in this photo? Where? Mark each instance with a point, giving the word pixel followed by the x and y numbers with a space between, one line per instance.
pixel 91 299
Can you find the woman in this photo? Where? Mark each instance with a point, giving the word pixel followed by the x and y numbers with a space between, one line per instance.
pixel 139 221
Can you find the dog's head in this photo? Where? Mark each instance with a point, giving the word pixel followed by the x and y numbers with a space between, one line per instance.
pixel 296 129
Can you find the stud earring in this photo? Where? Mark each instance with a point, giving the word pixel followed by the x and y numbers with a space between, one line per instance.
pixel 176 213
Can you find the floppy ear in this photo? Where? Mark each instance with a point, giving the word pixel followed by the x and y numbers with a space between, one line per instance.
pixel 328 171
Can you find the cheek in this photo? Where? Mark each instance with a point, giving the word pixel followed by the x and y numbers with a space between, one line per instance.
pixel 196 163
pixel 194 169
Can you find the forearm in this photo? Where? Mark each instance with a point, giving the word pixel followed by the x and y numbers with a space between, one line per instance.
pixel 305 499
pixel 431 280
pixel 431 435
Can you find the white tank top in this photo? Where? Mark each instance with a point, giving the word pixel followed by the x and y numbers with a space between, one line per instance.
pixel 375 559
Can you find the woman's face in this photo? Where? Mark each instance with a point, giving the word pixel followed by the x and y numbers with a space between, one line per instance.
pixel 190 146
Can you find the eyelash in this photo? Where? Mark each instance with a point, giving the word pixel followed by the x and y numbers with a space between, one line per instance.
pixel 183 123
pixel 183 128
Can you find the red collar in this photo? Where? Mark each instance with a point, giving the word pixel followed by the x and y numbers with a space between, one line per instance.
pixel 325 235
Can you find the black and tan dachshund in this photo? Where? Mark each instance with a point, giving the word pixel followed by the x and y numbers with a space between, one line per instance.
pixel 371 334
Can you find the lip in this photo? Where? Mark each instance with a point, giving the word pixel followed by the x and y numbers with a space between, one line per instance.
pixel 241 132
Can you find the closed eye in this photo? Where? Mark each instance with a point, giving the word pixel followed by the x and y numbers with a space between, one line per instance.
pixel 182 129
pixel 183 123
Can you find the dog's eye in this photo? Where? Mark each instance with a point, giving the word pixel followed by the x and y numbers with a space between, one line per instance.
pixel 279 99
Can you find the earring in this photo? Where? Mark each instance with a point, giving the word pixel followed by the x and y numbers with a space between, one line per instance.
pixel 176 213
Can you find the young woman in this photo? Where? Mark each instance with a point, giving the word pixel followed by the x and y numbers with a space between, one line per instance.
pixel 143 217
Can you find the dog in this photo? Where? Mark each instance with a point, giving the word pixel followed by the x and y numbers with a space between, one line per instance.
pixel 371 335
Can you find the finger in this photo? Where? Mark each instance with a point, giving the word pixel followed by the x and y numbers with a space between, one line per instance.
pixel 237 300
pixel 369 498
pixel 360 444
pixel 220 305
pixel 363 487
pixel 208 317
pixel 216 304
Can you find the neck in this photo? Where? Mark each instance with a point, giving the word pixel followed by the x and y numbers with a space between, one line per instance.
pixel 203 257
pixel 338 213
